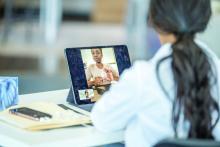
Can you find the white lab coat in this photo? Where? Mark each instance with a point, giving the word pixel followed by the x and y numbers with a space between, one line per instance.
pixel 138 105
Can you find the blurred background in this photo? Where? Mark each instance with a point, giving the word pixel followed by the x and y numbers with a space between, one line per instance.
pixel 34 34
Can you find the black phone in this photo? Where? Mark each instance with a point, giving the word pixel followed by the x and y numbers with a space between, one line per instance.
pixel 30 113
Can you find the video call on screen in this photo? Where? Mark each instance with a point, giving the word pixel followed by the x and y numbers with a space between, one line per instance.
pixel 101 71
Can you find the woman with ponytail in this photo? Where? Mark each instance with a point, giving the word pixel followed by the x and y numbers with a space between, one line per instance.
pixel 176 93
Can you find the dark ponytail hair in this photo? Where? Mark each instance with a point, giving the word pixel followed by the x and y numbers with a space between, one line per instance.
pixel 192 70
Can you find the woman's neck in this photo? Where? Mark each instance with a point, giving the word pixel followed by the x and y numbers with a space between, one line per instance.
pixel 167 38
pixel 99 65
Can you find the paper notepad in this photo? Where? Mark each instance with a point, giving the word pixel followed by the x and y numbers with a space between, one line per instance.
pixel 60 117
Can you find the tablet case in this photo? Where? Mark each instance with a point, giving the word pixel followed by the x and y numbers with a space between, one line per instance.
pixel 122 59
pixel 71 97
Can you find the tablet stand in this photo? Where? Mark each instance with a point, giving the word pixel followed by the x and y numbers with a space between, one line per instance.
pixel 70 96
pixel 71 99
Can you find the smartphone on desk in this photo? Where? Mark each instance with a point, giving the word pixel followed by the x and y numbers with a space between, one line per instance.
pixel 30 114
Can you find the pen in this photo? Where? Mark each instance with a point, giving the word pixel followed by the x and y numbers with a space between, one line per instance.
pixel 67 108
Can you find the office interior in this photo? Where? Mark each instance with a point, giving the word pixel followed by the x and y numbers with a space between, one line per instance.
pixel 34 34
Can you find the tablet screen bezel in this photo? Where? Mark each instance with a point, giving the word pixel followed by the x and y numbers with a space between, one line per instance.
pixel 77 72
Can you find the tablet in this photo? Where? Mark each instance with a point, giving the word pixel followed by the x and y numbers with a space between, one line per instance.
pixel 94 69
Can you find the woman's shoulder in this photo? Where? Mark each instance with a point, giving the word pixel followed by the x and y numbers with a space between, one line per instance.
pixel 209 52
pixel 107 66
pixel 91 66
pixel 141 65
pixel 141 69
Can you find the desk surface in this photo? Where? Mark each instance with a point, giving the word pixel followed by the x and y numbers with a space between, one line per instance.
pixel 74 136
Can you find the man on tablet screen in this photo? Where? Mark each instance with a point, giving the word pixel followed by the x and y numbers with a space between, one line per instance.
pixel 100 74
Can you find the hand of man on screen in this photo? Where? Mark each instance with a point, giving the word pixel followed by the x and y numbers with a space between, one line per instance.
pixel 109 74
pixel 98 81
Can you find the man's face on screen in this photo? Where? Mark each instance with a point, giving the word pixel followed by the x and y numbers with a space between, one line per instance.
pixel 97 55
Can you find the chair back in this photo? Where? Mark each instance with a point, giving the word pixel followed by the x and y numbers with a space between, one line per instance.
pixel 187 143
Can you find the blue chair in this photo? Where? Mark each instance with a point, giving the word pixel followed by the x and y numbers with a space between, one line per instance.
pixel 187 143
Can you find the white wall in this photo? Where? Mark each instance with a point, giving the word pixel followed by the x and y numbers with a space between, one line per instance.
pixel 212 35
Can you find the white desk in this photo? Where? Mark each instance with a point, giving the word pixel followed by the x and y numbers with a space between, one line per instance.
pixel 72 136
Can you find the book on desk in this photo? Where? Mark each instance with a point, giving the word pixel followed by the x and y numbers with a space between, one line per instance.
pixel 61 117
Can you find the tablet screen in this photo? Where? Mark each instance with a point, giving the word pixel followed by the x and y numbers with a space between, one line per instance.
pixel 94 69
